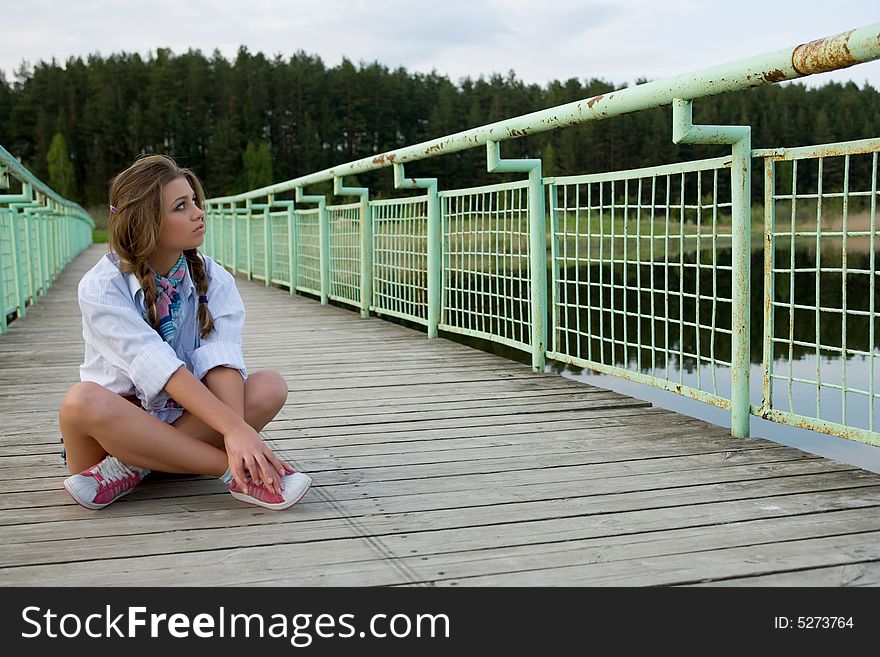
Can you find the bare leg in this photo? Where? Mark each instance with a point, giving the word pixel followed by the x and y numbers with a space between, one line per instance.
pixel 265 393
pixel 91 417
pixel 95 422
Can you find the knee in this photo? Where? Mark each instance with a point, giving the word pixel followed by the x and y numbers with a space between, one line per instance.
pixel 269 392
pixel 83 400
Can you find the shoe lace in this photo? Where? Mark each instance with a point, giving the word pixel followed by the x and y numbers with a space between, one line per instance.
pixel 112 470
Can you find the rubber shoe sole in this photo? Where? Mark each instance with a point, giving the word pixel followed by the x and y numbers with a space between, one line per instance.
pixel 286 504
pixel 89 505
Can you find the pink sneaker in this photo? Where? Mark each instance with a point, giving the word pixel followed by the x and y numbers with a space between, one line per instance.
pixel 104 483
pixel 293 487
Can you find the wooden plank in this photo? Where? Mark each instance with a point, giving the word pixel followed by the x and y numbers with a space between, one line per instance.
pixel 27 467
pixel 525 492
pixel 30 427
pixel 26 444
pixel 345 563
pixel 605 424
pixel 695 567
pixel 653 474
pixel 667 456
pixel 480 556
pixel 864 573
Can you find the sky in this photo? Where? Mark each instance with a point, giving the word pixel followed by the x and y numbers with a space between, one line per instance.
pixel 540 40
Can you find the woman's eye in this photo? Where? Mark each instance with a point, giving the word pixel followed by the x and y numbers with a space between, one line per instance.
pixel 182 204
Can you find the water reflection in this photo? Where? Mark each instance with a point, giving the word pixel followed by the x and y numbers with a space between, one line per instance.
pixel 681 314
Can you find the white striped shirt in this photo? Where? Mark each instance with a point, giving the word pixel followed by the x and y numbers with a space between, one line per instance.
pixel 126 355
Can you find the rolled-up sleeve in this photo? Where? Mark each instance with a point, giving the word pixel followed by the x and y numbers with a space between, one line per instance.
pixel 222 346
pixel 121 336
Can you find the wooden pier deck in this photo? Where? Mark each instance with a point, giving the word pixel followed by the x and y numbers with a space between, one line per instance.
pixel 433 464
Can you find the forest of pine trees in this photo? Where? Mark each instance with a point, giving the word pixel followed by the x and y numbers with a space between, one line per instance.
pixel 258 120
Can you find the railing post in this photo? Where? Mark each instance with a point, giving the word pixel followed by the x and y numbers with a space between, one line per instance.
pixel 323 239
pixel 537 244
pixel 769 283
pixel 435 275
pixel 366 234
pixel 250 239
pixel 685 132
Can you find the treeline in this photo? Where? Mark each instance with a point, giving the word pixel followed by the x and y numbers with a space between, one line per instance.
pixel 258 120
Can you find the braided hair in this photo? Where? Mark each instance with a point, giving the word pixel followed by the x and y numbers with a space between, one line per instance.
pixel 135 223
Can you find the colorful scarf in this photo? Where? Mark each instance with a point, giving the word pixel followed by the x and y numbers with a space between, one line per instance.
pixel 168 298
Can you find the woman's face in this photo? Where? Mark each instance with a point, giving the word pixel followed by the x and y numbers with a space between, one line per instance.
pixel 183 222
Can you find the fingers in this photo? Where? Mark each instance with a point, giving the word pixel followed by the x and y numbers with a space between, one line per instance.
pixel 262 474
pixel 238 473
pixel 250 467
pixel 268 474
pixel 281 468
pixel 252 461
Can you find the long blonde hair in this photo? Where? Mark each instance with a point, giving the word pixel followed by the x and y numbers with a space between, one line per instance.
pixel 136 220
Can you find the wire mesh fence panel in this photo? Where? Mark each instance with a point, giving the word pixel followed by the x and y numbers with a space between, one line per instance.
pixel 25 256
pixel 400 258
pixel 485 278
pixel 308 251
pixel 258 244
pixel 53 247
pixel 228 238
pixel 280 257
pixel 642 275
pixel 241 241
pixel 345 250
pixel 820 332
pixel 10 300
pixel 33 260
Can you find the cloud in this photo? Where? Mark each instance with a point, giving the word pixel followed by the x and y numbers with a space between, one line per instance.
pixel 556 39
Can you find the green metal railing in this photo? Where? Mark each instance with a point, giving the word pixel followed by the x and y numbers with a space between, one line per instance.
pixel 659 262
pixel 649 270
pixel 837 219
pixel 40 232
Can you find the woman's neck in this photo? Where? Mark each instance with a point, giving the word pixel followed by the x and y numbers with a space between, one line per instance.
pixel 164 261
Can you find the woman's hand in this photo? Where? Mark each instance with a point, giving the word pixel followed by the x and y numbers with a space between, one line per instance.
pixel 251 459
